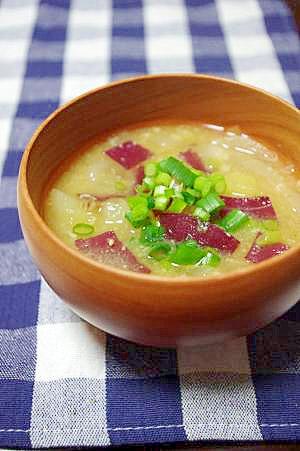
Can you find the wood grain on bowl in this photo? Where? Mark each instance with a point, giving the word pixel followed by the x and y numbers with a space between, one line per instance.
pixel 144 308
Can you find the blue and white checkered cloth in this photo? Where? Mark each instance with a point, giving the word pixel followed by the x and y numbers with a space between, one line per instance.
pixel 62 382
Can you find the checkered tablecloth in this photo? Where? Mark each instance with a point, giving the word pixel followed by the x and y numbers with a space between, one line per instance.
pixel 62 382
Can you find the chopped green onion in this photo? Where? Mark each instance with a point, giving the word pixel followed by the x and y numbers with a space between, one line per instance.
pixel 177 195
pixel 188 198
pixel 177 205
pixel 82 229
pixel 187 253
pixel 135 224
pixel 216 176
pixel 150 169
pixel 161 203
pixel 207 187
pixel 178 170
pixel 270 224
pixel 137 201
pixel 151 202
pixel 203 185
pixel 211 203
pixel 148 183
pixel 234 220
pixel 163 178
pixel 160 250
pixel 201 214
pixel 193 192
pixel 200 182
pixel 269 237
pixel 220 187
pixel 120 186
pixel 218 181
pixel 161 190
pixel 177 187
pixel 137 217
pixel 152 233
pixel 212 258
pixel 140 212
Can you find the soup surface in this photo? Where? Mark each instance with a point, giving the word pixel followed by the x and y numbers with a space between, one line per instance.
pixel 176 200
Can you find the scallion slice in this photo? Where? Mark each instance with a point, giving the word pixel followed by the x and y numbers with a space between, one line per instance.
pixel 138 215
pixel 220 187
pixel 200 182
pixel 161 190
pixel 159 251
pixel 187 253
pixel 201 214
pixel 211 203
pixel 207 188
pixel 148 183
pixel 177 205
pixel 178 170
pixel 161 203
pixel 193 192
pixel 203 185
pixel 140 212
pixel 218 181
pixel 188 198
pixel 137 201
pixel 82 229
pixel 234 220
pixel 177 187
pixel 151 202
pixel 212 258
pixel 163 178
pixel 177 195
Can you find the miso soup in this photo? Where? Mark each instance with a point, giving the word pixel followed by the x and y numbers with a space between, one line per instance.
pixel 176 200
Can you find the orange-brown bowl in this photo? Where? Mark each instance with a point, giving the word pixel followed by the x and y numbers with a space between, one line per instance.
pixel 144 308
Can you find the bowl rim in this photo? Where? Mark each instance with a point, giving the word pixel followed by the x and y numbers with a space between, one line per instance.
pixel 151 279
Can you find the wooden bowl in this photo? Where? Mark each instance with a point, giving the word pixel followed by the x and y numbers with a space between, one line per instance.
pixel 144 308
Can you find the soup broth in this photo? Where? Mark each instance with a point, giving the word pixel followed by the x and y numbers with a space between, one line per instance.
pixel 94 195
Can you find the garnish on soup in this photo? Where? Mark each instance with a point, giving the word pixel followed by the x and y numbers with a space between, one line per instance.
pixel 177 200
